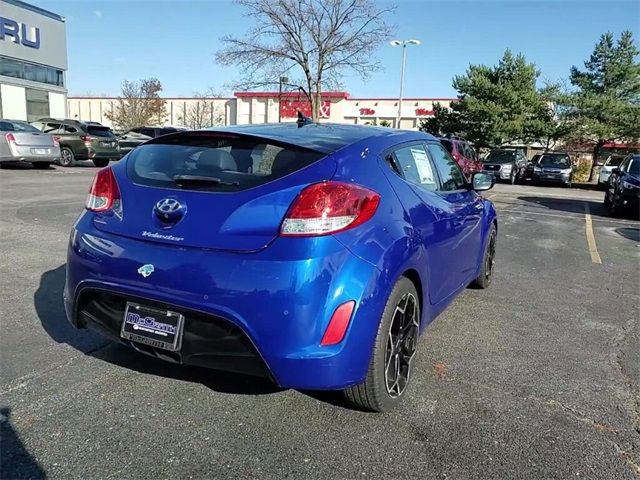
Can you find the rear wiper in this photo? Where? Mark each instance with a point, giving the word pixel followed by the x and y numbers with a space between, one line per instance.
pixel 186 180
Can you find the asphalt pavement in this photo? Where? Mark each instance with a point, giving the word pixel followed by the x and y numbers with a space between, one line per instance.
pixel 536 377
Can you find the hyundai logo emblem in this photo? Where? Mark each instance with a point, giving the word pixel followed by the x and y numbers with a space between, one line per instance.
pixel 168 205
pixel 169 210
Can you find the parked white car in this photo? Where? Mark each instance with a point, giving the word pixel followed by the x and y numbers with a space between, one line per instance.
pixel 21 142
pixel 605 171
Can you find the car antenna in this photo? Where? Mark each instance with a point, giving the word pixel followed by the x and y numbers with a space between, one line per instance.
pixel 302 120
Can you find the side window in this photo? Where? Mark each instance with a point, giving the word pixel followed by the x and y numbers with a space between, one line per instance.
pixel 52 128
pixel 414 165
pixel 450 174
pixel 149 132
pixel 70 129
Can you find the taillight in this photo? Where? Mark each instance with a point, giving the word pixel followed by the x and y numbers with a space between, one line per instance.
pixel 329 207
pixel 56 141
pixel 11 141
pixel 87 139
pixel 104 193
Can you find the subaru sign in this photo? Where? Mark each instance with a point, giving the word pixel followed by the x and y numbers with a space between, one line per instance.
pixel 19 33
pixel 31 34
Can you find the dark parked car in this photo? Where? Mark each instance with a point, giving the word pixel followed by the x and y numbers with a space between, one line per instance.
pixel 137 136
pixel 553 167
pixel 312 255
pixel 463 153
pixel 623 191
pixel 81 141
pixel 503 164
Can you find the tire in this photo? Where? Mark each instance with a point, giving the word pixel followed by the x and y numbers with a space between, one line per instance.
pixel 607 202
pixel 488 261
pixel 41 165
pixel 375 394
pixel 512 178
pixel 100 162
pixel 67 158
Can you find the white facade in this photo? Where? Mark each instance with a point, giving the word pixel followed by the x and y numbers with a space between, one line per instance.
pixel 266 107
pixel 33 62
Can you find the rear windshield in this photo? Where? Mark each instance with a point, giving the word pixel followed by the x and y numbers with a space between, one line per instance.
pixel 166 131
pixel 7 126
pixel 447 145
pixel 99 131
pixel 214 162
pixel 555 161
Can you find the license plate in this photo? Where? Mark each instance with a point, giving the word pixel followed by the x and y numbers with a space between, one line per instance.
pixel 151 326
pixel 107 144
pixel 40 151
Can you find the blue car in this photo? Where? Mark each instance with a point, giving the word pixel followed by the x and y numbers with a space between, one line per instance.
pixel 313 254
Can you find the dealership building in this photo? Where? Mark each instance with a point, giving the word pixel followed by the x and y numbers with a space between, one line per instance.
pixel 33 62
pixel 270 107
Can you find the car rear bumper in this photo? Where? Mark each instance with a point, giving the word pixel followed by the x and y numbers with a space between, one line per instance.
pixel 97 155
pixel 31 159
pixel 277 303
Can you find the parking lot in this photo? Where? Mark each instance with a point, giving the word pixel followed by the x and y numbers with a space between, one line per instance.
pixel 537 377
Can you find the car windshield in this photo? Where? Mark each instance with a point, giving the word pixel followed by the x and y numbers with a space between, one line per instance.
pixel 99 131
pixel 555 161
pixel 614 160
pixel 500 156
pixel 214 162
pixel 14 126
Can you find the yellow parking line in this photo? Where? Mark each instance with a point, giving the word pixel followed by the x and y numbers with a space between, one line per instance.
pixel 591 240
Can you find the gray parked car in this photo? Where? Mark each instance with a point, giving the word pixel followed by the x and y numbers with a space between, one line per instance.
pixel 503 164
pixel 21 142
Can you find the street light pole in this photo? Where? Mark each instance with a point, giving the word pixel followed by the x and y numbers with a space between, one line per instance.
pixel 403 44
pixel 281 81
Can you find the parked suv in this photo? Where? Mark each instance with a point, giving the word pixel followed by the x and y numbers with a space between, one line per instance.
pixel 553 167
pixel 463 153
pixel 137 136
pixel 81 141
pixel 509 165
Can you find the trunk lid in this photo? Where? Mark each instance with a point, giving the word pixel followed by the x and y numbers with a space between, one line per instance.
pixel 258 182
pixel 33 139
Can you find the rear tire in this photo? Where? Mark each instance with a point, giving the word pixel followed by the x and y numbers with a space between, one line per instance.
pixel 67 158
pixel 100 162
pixel 394 350
pixel 488 261
pixel 41 165
pixel 512 178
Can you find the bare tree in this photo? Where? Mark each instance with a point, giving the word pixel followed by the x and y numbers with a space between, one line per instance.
pixel 139 104
pixel 203 112
pixel 321 38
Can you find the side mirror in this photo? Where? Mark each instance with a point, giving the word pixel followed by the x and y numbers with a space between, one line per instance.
pixel 482 181
pixel 616 171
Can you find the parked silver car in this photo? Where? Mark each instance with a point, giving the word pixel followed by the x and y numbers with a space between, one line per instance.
pixel 21 142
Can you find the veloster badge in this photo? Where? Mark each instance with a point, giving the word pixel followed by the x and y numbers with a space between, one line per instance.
pixel 146 270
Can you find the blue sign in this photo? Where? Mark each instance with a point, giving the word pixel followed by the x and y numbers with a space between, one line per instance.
pixel 19 33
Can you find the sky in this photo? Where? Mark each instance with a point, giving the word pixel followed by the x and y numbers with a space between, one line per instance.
pixel 175 40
